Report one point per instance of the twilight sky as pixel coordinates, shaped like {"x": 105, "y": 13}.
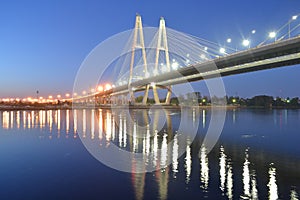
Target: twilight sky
{"x": 43, "y": 43}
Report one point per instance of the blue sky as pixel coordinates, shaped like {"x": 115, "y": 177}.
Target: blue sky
{"x": 43, "y": 43}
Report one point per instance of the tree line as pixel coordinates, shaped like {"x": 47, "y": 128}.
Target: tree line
{"x": 265, "y": 101}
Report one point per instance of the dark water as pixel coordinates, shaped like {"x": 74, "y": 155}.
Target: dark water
{"x": 43, "y": 156}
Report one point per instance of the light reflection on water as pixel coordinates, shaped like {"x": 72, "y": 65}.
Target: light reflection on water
{"x": 242, "y": 172}
{"x": 273, "y": 189}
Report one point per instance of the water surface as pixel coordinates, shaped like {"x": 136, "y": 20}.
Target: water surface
{"x": 42, "y": 155}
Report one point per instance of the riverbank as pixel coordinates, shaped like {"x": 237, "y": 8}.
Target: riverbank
{"x": 138, "y": 106}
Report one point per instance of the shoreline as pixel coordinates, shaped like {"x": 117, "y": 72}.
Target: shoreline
{"x": 171, "y": 107}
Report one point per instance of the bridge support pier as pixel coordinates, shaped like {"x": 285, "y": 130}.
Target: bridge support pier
{"x": 155, "y": 94}
{"x": 169, "y": 93}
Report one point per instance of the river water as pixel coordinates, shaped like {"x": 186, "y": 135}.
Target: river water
{"x": 54, "y": 154}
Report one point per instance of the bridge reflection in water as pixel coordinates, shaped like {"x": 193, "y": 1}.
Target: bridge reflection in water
{"x": 233, "y": 170}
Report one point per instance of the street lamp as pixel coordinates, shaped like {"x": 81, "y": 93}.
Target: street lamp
{"x": 293, "y": 18}
{"x": 246, "y": 43}
{"x": 175, "y": 65}
{"x": 272, "y": 35}
{"x": 228, "y": 40}
{"x": 222, "y": 50}
{"x": 100, "y": 88}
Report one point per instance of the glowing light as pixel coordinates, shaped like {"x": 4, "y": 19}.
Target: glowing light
{"x": 75, "y": 123}
{"x": 84, "y": 123}
{"x": 246, "y": 42}
{"x": 58, "y": 96}
{"x": 175, "y": 156}
{"x": 100, "y": 88}
{"x": 204, "y": 168}
{"x": 222, "y": 165}
{"x": 120, "y": 132}
{"x": 164, "y": 151}
{"x": 18, "y": 119}
{"x": 67, "y": 121}
{"x": 229, "y": 182}
{"x": 83, "y": 92}
{"x": 5, "y": 120}
{"x": 294, "y": 17}
{"x": 175, "y": 65}
{"x": 253, "y": 31}
{"x": 246, "y": 176}
{"x": 222, "y": 50}
{"x": 203, "y": 118}
{"x": 107, "y": 86}
{"x": 100, "y": 124}
{"x": 273, "y": 189}
{"x": 228, "y": 40}
{"x": 50, "y": 97}
{"x": 188, "y": 162}
{"x": 93, "y": 124}
{"x": 272, "y": 34}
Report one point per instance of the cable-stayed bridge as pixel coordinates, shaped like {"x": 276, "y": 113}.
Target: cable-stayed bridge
{"x": 170, "y": 57}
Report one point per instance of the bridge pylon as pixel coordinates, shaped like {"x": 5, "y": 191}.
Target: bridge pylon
{"x": 162, "y": 45}
{"x": 138, "y": 43}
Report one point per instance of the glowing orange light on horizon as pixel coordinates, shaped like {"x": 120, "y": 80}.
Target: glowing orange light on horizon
{"x": 67, "y": 95}
{"x": 100, "y": 88}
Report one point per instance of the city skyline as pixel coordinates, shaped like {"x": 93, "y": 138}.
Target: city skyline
{"x": 44, "y": 44}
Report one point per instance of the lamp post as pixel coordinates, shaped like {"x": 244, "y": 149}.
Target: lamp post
{"x": 222, "y": 50}
{"x": 246, "y": 43}
{"x": 293, "y": 18}
{"x": 272, "y": 35}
